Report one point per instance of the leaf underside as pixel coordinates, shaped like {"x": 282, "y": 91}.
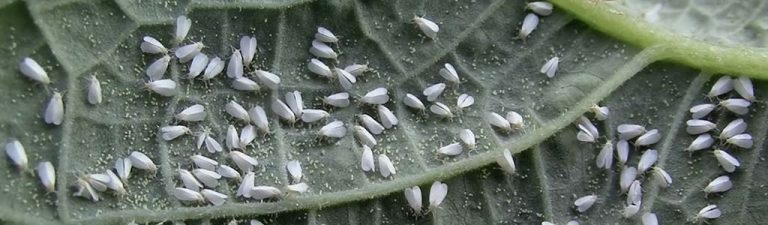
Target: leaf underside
{"x": 76, "y": 39}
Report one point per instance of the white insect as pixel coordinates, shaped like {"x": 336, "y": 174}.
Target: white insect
{"x": 434, "y": 91}
{"x": 630, "y": 131}
{"x": 371, "y": 124}
{"x": 321, "y": 50}
{"x": 727, "y": 161}
{"x": 294, "y": 170}
{"x": 628, "y": 175}
{"x": 18, "y": 155}
{"x": 364, "y": 137}
{"x": 541, "y": 8}
{"x": 346, "y": 79}
{"x": 212, "y": 145}
{"x": 197, "y": 66}
{"x": 377, "y": 96}
{"x": 413, "y": 102}
{"x": 497, "y": 121}
{"x": 243, "y": 161}
{"x": 631, "y": 210}
{"x": 723, "y": 85}
{"x": 182, "y": 28}
{"x": 451, "y": 149}
{"x": 187, "y": 195}
{"x": 649, "y": 219}
{"x": 189, "y": 180}
{"x": 441, "y": 110}
{"x": 123, "y": 167}
{"x": 601, "y": 112}
{"x": 237, "y": 111}
{"x": 635, "y": 193}
{"x": 622, "y": 151}
{"x": 271, "y": 80}
{"x": 550, "y": 67}
{"x": 449, "y": 73}
{"x": 515, "y": 119}
{"x": 465, "y": 101}
{"x": 295, "y": 102}
{"x": 188, "y": 52}
{"x": 701, "y": 110}
{"x": 283, "y": 111}
{"x": 248, "y": 49}
{"x": 413, "y": 196}
{"x": 584, "y": 203}
{"x": 94, "y": 90}
{"x": 388, "y": 119}
{"x": 193, "y": 113}
{"x": 207, "y": 177}
{"x": 699, "y": 126}
{"x": 335, "y": 129}
{"x": 366, "y": 160}
{"x": 114, "y": 183}
{"x": 719, "y": 184}
{"x": 325, "y": 35}
{"x": 587, "y": 131}
{"x": 246, "y": 185}
{"x": 736, "y": 105}
{"x": 152, "y": 46}
{"x": 437, "y": 194}
{"x": 297, "y": 188}
{"x": 741, "y": 140}
{"x": 165, "y": 87}
{"x": 427, "y": 27}
{"x": 506, "y": 162}
{"x": 605, "y": 157}
{"x": 85, "y": 190}
{"x": 733, "y": 128}
{"x": 468, "y": 138}
{"x": 54, "y": 112}
{"x": 313, "y": 115}
{"x": 232, "y": 139}
{"x": 98, "y": 181}
{"x": 235, "y": 65}
{"x": 47, "y": 175}
{"x": 386, "y": 168}
{"x": 203, "y": 162}
{"x": 661, "y": 177}
{"x": 649, "y": 138}
{"x": 265, "y": 192}
{"x": 259, "y": 118}
{"x": 743, "y": 86}
{"x": 215, "y": 66}
{"x": 172, "y": 132}
{"x": 340, "y": 100}
{"x": 30, "y": 68}
{"x": 141, "y": 161}
{"x": 214, "y": 197}
{"x": 228, "y": 172}
{"x": 530, "y": 23}
{"x": 357, "y": 69}
{"x": 709, "y": 212}
{"x": 247, "y": 135}
{"x": 647, "y": 160}
{"x": 319, "y": 68}
{"x": 701, "y": 142}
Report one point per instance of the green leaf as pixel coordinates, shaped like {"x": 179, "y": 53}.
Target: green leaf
{"x": 76, "y": 39}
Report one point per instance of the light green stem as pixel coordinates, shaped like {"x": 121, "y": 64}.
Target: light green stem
{"x": 749, "y": 61}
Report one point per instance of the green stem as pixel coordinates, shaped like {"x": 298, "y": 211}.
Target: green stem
{"x": 749, "y": 61}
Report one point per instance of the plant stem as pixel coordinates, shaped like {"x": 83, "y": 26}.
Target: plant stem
{"x": 708, "y": 57}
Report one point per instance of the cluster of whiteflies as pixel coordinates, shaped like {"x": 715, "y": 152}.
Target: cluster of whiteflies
{"x": 90, "y": 185}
